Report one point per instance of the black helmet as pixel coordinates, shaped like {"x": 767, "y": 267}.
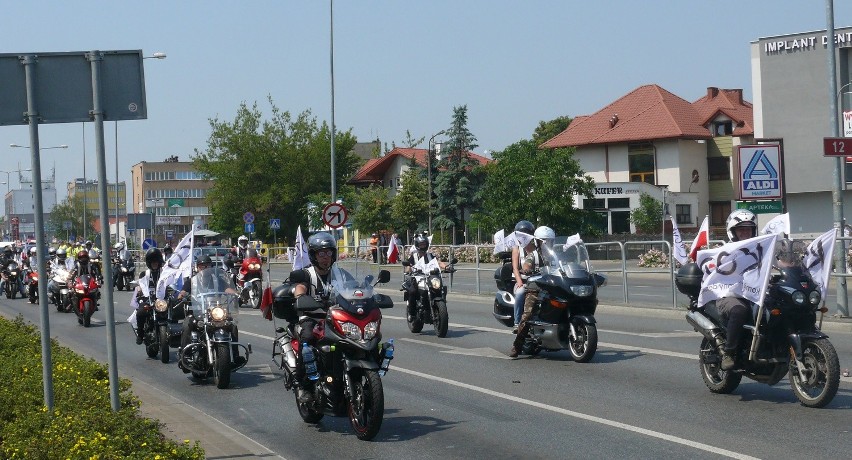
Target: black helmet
{"x": 167, "y": 251}
{"x": 525, "y": 226}
{"x": 61, "y": 254}
{"x": 204, "y": 259}
{"x": 421, "y": 242}
{"x": 321, "y": 240}
{"x": 7, "y": 251}
{"x": 153, "y": 255}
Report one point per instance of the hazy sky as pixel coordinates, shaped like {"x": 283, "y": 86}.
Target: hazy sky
{"x": 398, "y": 65}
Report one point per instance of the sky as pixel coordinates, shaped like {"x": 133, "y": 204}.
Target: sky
{"x": 398, "y": 65}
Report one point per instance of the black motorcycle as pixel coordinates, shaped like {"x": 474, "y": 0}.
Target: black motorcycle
{"x": 348, "y": 356}
{"x": 162, "y": 328}
{"x": 784, "y": 341}
{"x": 431, "y": 307}
{"x": 567, "y": 302}
{"x": 213, "y": 339}
{"x": 12, "y": 275}
{"x": 124, "y": 270}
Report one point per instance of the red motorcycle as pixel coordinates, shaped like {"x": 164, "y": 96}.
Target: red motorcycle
{"x": 250, "y": 280}
{"x": 86, "y": 294}
{"x": 31, "y": 282}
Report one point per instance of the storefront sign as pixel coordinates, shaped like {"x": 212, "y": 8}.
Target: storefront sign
{"x": 806, "y": 43}
{"x": 758, "y": 169}
{"x": 761, "y": 207}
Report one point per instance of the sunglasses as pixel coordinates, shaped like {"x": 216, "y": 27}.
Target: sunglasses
{"x": 325, "y": 253}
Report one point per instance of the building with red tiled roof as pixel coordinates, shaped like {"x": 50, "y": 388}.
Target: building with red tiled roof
{"x": 652, "y": 141}
{"x": 388, "y": 170}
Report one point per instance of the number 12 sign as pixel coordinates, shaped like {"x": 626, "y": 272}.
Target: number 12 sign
{"x": 837, "y": 146}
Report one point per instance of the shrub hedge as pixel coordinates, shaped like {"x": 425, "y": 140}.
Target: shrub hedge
{"x": 82, "y": 423}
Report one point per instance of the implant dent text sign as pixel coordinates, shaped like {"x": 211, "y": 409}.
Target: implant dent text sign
{"x": 758, "y": 169}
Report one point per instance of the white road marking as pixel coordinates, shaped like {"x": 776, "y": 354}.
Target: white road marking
{"x": 582, "y": 416}
{"x": 655, "y": 335}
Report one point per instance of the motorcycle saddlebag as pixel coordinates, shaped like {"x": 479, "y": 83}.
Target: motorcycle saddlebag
{"x": 688, "y": 279}
{"x": 284, "y": 303}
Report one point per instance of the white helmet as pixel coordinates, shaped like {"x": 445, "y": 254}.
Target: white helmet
{"x": 118, "y": 246}
{"x": 242, "y": 241}
{"x": 741, "y": 218}
{"x": 545, "y": 234}
{"x": 33, "y": 250}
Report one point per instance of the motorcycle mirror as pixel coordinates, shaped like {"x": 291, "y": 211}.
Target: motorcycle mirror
{"x": 453, "y": 262}
{"x": 600, "y": 280}
{"x": 405, "y": 263}
{"x": 298, "y": 276}
{"x": 384, "y": 276}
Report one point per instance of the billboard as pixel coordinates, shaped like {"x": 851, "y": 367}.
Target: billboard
{"x": 758, "y": 170}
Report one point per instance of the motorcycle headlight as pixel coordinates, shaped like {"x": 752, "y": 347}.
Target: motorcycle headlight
{"x": 79, "y": 291}
{"x": 351, "y": 330}
{"x": 814, "y": 298}
{"x": 254, "y": 266}
{"x": 370, "y": 330}
{"x": 798, "y": 297}
{"x": 123, "y": 269}
{"x": 161, "y": 305}
{"x": 582, "y": 290}
{"x": 217, "y": 313}
{"x": 435, "y": 282}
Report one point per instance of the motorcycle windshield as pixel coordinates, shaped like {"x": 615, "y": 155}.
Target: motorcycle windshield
{"x": 212, "y": 290}
{"x": 352, "y": 288}
{"x": 569, "y": 260}
{"x": 789, "y": 254}
{"x": 125, "y": 256}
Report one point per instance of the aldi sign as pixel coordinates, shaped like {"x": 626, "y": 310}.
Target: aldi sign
{"x": 758, "y": 170}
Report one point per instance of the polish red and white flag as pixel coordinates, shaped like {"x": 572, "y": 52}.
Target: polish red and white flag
{"x": 701, "y": 239}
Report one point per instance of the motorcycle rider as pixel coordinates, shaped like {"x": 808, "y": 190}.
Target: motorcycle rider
{"x": 741, "y": 225}
{"x": 55, "y": 263}
{"x": 421, "y": 245}
{"x": 116, "y": 261}
{"x": 81, "y": 267}
{"x": 543, "y": 236}
{"x": 147, "y": 286}
{"x": 236, "y": 256}
{"x": 522, "y": 266}
{"x": 189, "y": 322}
{"x": 7, "y": 258}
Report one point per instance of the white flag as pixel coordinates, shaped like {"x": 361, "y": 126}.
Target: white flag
{"x": 818, "y": 260}
{"x": 499, "y": 243}
{"x": 571, "y": 241}
{"x": 738, "y": 269}
{"x": 778, "y": 224}
{"x": 678, "y": 247}
{"x": 179, "y": 264}
{"x": 301, "y": 259}
{"x": 522, "y": 238}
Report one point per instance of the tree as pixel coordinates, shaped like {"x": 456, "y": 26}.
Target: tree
{"x": 70, "y": 210}
{"x": 269, "y": 166}
{"x": 458, "y": 178}
{"x": 410, "y": 207}
{"x": 372, "y": 209}
{"x": 546, "y": 130}
{"x": 528, "y": 183}
{"x": 648, "y": 217}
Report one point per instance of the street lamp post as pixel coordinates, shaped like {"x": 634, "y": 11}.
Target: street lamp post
{"x": 429, "y": 173}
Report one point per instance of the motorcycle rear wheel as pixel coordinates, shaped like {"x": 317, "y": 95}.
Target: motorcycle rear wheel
{"x": 367, "y": 404}
{"x": 222, "y": 369}
{"x": 164, "y": 344}
{"x": 822, "y": 370}
{"x": 583, "y": 348}
{"x": 441, "y": 318}
{"x": 716, "y": 380}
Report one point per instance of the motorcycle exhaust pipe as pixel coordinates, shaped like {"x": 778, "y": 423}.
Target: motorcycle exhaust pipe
{"x": 703, "y": 325}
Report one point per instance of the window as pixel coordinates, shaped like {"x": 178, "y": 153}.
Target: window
{"x": 616, "y": 203}
{"x": 620, "y": 222}
{"x": 723, "y": 128}
{"x": 719, "y": 168}
{"x": 719, "y": 212}
{"x": 596, "y": 203}
{"x": 640, "y": 159}
{"x": 683, "y": 214}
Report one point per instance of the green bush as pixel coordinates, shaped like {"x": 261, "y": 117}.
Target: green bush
{"x": 82, "y": 424}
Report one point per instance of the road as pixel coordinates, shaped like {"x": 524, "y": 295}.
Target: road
{"x": 462, "y": 397}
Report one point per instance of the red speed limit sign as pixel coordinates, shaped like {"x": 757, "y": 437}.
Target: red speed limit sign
{"x": 334, "y": 215}
{"x": 837, "y": 146}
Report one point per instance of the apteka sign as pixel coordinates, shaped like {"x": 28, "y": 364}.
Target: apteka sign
{"x": 758, "y": 169}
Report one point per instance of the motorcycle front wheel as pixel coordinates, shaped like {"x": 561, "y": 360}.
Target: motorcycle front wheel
{"x": 222, "y": 369}
{"x": 152, "y": 345}
{"x": 716, "y": 380}
{"x": 415, "y": 325}
{"x": 254, "y": 296}
{"x": 164, "y": 344}
{"x": 585, "y": 344}
{"x": 821, "y": 372}
{"x": 441, "y": 318}
{"x": 367, "y": 404}
{"x": 87, "y": 313}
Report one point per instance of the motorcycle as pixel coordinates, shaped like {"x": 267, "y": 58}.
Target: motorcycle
{"x": 160, "y": 329}
{"x": 124, "y": 269}
{"x": 60, "y": 295}
{"x": 95, "y": 263}
{"x": 31, "y": 284}
{"x": 431, "y": 307}
{"x": 12, "y": 276}
{"x": 784, "y": 338}
{"x": 349, "y": 356}
{"x": 566, "y": 306}
{"x": 86, "y": 293}
{"x": 249, "y": 281}
{"x": 213, "y": 340}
